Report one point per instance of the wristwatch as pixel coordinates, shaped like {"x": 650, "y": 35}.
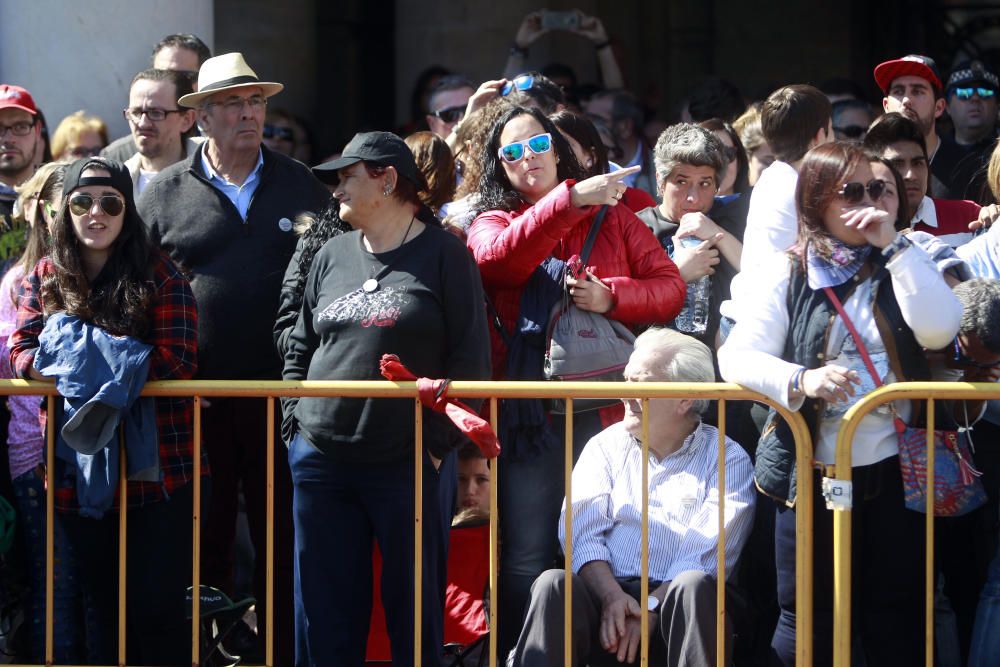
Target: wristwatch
{"x": 653, "y": 604}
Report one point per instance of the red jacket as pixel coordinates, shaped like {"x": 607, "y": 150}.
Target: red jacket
{"x": 646, "y": 285}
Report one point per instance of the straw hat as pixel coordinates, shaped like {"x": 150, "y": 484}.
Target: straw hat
{"x": 226, "y": 72}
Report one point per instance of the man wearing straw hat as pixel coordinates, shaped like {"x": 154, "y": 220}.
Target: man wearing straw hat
{"x": 683, "y": 527}
{"x": 225, "y": 214}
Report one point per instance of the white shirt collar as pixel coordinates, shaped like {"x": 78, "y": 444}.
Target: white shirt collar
{"x": 926, "y": 213}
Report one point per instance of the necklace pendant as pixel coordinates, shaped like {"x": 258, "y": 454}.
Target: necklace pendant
{"x": 370, "y": 285}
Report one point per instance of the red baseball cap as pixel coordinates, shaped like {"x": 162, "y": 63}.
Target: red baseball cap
{"x": 16, "y": 97}
{"x": 912, "y": 65}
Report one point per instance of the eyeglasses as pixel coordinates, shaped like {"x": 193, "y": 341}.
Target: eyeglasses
{"x": 280, "y": 133}
{"x": 156, "y": 115}
{"x": 21, "y": 129}
{"x": 235, "y": 105}
{"x": 523, "y": 82}
{"x": 81, "y": 203}
{"x": 540, "y": 143}
{"x": 450, "y": 114}
{"x": 854, "y": 193}
{"x": 967, "y": 93}
{"x": 851, "y": 131}
{"x": 85, "y": 151}
{"x": 961, "y": 359}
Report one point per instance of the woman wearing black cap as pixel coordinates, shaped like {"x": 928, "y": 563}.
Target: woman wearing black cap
{"x": 104, "y": 280}
{"x": 398, "y": 284}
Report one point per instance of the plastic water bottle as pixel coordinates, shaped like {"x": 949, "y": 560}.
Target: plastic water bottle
{"x": 693, "y": 318}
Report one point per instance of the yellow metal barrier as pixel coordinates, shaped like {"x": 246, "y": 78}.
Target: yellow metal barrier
{"x": 913, "y": 391}
{"x": 459, "y": 389}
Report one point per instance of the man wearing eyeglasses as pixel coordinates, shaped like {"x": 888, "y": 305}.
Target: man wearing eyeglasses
{"x": 447, "y": 104}
{"x": 19, "y": 135}
{"x": 180, "y": 53}
{"x": 225, "y": 214}
{"x": 683, "y": 528}
{"x": 159, "y": 127}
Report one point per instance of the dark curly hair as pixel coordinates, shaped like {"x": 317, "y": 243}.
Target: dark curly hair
{"x": 495, "y": 190}
{"x": 314, "y": 232}
{"x": 120, "y": 297}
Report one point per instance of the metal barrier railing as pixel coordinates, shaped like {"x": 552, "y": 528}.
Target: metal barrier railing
{"x": 929, "y": 391}
{"x": 493, "y": 391}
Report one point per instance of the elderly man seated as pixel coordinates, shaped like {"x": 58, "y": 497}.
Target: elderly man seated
{"x": 683, "y": 527}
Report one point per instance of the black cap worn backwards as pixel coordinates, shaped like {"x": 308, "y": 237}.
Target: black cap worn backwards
{"x": 381, "y": 148}
{"x": 119, "y": 178}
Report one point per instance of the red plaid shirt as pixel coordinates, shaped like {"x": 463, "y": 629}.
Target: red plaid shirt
{"x": 174, "y": 337}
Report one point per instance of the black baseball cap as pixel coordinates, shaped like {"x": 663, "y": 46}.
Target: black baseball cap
{"x": 381, "y": 148}
{"x": 971, "y": 72}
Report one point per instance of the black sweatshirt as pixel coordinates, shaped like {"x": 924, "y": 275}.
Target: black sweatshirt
{"x": 428, "y": 309}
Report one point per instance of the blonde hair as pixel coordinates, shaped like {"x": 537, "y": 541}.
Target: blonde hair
{"x": 72, "y": 127}
{"x": 748, "y": 127}
{"x": 993, "y": 172}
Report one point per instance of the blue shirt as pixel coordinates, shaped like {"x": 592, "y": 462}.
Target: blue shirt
{"x": 240, "y": 195}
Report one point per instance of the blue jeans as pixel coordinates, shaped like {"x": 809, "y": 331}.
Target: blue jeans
{"x": 985, "y": 649}
{"x": 68, "y": 611}
{"x": 339, "y": 509}
{"x": 531, "y": 494}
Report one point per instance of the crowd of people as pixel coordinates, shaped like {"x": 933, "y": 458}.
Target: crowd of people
{"x": 805, "y": 245}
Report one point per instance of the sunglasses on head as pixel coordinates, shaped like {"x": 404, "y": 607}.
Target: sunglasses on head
{"x": 962, "y": 359}
{"x": 81, "y": 203}
{"x": 967, "y": 93}
{"x": 450, "y": 114}
{"x": 854, "y": 192}
{"x": 851, "y": 131}
{"x": 540, "y": 143}
{"x": 275, "y": 132}
{"x": 523, "y": 82}
{"x": 729, "y": 152}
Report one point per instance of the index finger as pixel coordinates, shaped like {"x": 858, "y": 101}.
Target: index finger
{"x": 623, "y": 173}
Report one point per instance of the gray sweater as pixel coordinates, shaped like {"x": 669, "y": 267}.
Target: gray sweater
{"x": 235, "y": 266}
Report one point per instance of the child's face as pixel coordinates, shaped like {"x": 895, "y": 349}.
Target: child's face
{"x": 473, "y": 484}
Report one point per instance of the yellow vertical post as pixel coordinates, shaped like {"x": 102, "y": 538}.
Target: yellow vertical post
{"x": 269, "y": 541}
{"x": 644, "y": 547}
{"x": 418, "y": 533}
{"x": 122, "y": 542}
{"x": 929, "y": 586}
{"x": 50, "y": 525}
{"x": 568, "y": 550}
{"x": 196, "y": 542}
{"x": 720, "y": 579}
{"x": 494, "y": 541}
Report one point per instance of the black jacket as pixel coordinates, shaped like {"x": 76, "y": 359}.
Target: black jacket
{"x": 235, "y": 266}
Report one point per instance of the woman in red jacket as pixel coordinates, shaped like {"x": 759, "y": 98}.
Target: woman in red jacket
{"x": 533, "y": 207}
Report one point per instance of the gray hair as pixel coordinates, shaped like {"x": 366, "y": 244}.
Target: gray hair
{"x": 680, "y": 358}
{"x": 980, "y": 299}
{"x": 686, "y": 143}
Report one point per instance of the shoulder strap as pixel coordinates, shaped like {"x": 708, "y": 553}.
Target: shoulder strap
{"x": 595, "y": 227}
{"x": 854, "y": 333}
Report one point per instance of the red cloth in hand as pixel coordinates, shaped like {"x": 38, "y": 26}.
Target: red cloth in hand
{"x": 434, "y": 395}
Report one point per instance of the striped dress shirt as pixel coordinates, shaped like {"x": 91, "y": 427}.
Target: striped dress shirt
{"x": 683, "y": 505}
